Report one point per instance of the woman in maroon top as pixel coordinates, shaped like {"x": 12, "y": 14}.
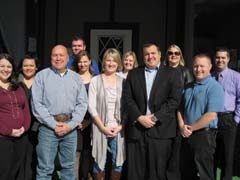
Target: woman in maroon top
{"x": 14, "y": 121}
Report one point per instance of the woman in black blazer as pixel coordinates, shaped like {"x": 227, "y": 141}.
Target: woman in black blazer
{"x": 174, "y": 58}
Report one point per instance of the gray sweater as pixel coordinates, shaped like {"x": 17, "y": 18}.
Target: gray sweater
{"x": 98, "y": 106}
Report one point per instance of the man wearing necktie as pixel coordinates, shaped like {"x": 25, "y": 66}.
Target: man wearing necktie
{"x": 151, "y": 95}
{"x": 229, "y": 119}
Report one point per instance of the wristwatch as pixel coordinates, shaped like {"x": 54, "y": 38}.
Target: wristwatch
{"x": 154, "y": 118}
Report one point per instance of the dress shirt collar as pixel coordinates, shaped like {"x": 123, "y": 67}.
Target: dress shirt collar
{"x": 60, "y": 74}
{"x": 224, "y": 72}
{"x": 152, "y": 69}
{"x": 204, "y": 81}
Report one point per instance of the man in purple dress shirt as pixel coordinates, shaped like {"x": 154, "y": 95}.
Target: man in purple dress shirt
{"x": 229, "y": 119}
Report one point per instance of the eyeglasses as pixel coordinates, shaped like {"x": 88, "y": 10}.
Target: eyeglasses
{"x": 177, "y": 53}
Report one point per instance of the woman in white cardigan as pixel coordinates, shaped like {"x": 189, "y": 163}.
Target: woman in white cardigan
{"x": 105, "y": 92}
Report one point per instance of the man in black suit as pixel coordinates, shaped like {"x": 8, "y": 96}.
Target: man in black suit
{"x": 151, "y": 96}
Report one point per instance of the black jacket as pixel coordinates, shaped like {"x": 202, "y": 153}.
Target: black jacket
{"x": 164, "y": 99}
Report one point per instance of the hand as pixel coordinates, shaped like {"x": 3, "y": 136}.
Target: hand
{"x": 62, "y": 128}
{"x": 109, "y": 131}
{"x": 85, "y": 123}
{"x": 186, "y": 131}
{"x": 17, "y": 132}
{"x": 116, "y": 129}
{"x": 146, "y": 121}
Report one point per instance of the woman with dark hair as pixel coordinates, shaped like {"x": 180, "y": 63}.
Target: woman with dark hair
{"x": 27, "y": 68}
{"x": 83, "y": 165}
{"x": 14, "y": 121}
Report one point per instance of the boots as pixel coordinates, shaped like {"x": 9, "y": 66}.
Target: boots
{"x": 115, "y": 175}
{"x": 99, "y": 176}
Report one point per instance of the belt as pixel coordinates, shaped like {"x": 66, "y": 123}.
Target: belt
{"x": 206, "y": 129}
{"x": 227, "y": 113}
{"x": 62, "y": 117}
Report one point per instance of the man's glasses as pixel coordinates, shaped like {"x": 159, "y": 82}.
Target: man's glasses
{"x": 177, "y": 53}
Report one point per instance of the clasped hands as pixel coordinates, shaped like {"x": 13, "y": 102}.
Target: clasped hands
{"x": 111, "y": 131}
{"x": 146, "y": 120}
{"x": 186, "y": 131}
{"x": 62, "y": 128}
{"x": 17, "y": 132}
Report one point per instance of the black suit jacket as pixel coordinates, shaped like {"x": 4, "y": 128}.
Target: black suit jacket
{"x": 165, "y": 97}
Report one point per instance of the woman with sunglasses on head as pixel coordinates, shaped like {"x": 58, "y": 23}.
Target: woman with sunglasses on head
{"x": 174, "y": 59}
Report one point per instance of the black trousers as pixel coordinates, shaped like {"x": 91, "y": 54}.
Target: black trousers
{"x": 86, "y": 163}
{"x": 85, "y": 148}
{"x": 226, "y": 136}
{"x": 147, "y": 158}
{"x": 173, "y": 170}
{"x": 12, "y": 157}
{"x": 30, "y": 156}
{"x": 197, "y": 154}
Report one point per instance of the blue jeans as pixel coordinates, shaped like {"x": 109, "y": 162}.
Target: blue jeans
{"x": 49, "y": 145}
{"x": 112, "y": 147}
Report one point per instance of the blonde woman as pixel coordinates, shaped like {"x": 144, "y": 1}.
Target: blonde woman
{"x": 129, "y": 61}
{"x": 174, "y": 58}
{"x": 105, "y": 92}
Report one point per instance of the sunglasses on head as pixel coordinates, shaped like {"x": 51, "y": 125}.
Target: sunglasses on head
{"x": 177, "y": 53}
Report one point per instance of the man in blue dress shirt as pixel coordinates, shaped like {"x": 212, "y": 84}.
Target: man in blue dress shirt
{"x": 197, "y": 119}
{"x": 78, "y": 44}
{"x": 59, "y": 102}
{"x": 229, "y": 119}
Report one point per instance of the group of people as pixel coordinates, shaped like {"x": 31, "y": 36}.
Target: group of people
{"x": 158, "y": 121}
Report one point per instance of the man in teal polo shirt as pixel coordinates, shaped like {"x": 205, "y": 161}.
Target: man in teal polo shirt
{"x": 197, "y": 119}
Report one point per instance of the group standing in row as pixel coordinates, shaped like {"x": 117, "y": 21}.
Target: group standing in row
{"x": 157, "y": 118}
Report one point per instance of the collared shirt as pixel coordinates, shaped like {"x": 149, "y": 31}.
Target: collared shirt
{"x": 230, "y": 81}
{"x": 54, "y": 94}
{"x": 202, "y": 97}
{"x": 150, "y": 75}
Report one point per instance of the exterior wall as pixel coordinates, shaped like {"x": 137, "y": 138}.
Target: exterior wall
{"x": 151, "y": 25}
{"x": 64, "y": 18}
{"x": 160, "y": 21}
{"x": 50, "y": 33}
{"x": 151, "y": 16}
{"x": 73, "y": 14}
{"x": 12, "y": 24}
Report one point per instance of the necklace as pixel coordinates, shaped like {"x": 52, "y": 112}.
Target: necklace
{"x": 13, "y": 103}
